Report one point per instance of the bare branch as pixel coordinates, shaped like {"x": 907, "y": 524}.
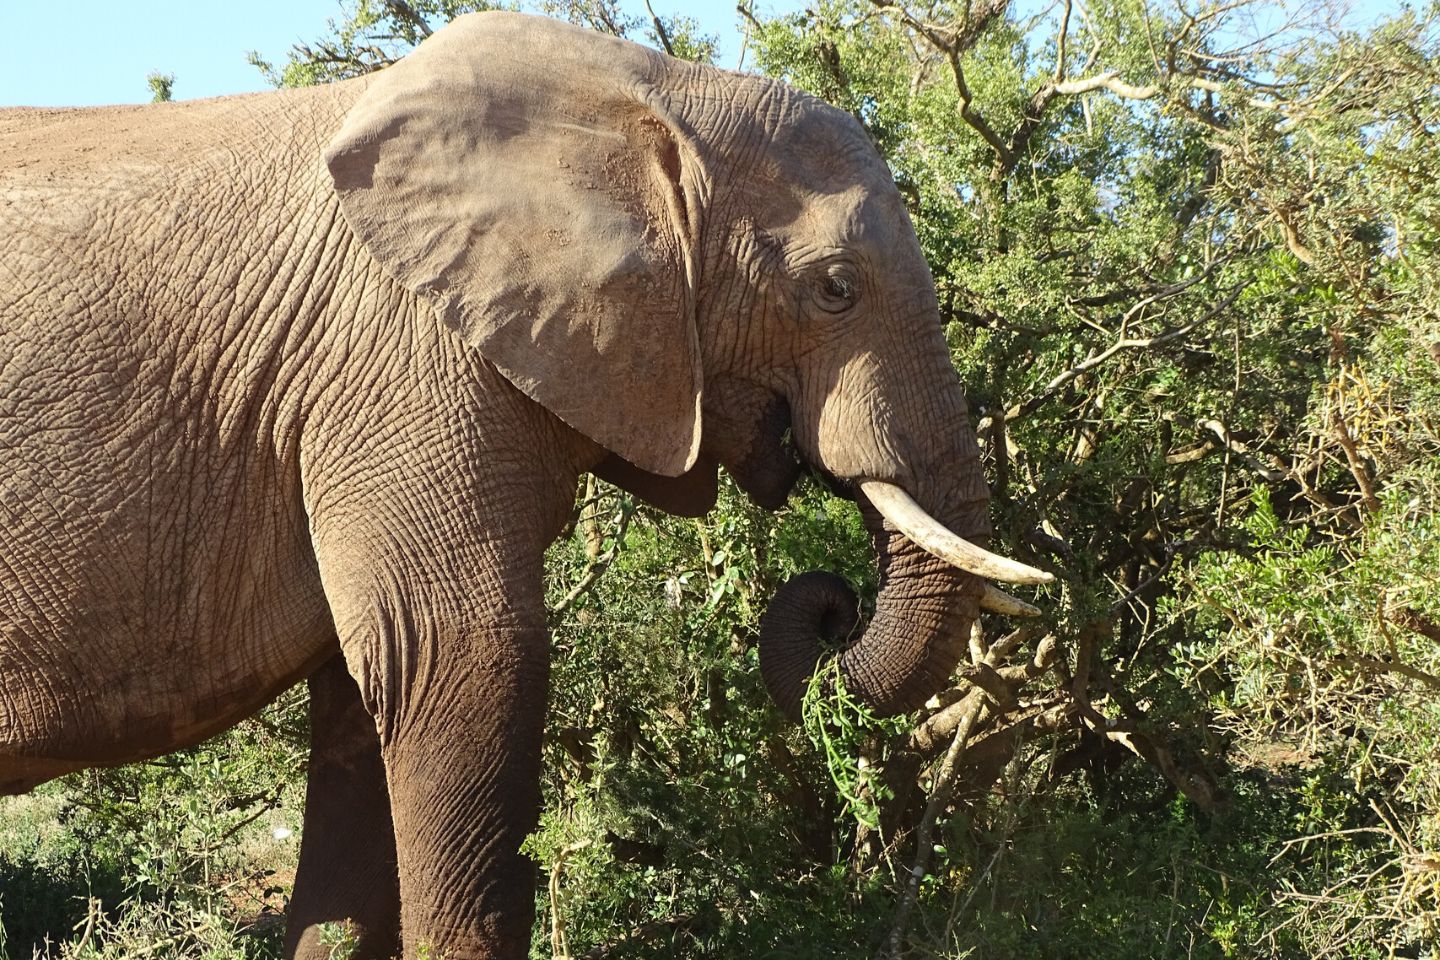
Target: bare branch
{"x": 940, "y": 797}
{"x": 1414, "y": 621}
{"x": 660, "y": 30}
{"x": 1109, "y": 80}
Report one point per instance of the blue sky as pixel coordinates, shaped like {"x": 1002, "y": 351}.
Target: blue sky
{"x": 100, "y": 51}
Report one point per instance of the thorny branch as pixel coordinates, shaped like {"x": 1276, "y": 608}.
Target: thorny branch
{"x": 597, "y": 563}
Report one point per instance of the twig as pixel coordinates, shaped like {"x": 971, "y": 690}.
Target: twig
{"x": 596, "y": 567}
{"x": 1267, "y": 465}
{"x": 939, "y": 799}
{"x": 971, "y": 116}
{"x": 660, "y": 30}
{"x": 1144, "y": 747}
{"x": 267, "y": 805}
{"x": 1148, "y": 295}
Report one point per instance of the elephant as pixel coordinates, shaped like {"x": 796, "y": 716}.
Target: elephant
{"x": 299, "y": 385}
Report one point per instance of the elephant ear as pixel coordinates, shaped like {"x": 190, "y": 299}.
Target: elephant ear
{"x": 529, "y": 181}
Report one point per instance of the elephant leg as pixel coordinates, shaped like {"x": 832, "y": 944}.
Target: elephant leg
{"x": 347, "y": 885}
{"x": 464, "y": 775}
{"x": 432, "y": 556}
{"x": 459, "y": 704}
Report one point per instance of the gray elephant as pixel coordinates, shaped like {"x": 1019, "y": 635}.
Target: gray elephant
{"x": 315, "y": 372}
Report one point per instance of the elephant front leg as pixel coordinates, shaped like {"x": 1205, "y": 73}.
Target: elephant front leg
{"x": 346, "y": 889}
{"x": 460, "y": 710}
{"x": 432, "y": 570}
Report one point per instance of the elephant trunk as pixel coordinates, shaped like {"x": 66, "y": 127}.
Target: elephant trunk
{"x": 907, "y": 653}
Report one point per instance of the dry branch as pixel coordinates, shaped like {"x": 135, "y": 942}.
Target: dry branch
{"x": 660, "y": 31}
{"x": 1414, "y": 621}
{"x": 940, "y": 798}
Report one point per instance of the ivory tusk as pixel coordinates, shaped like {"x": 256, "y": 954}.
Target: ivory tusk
{"x": 908, "y": 516}
{"x": 998, "y": 601}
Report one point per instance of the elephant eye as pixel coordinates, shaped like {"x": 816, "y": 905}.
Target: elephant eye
{"x": 838, "y": 292}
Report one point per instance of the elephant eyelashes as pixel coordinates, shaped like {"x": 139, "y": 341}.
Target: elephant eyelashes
{"x": 837, "y": 293}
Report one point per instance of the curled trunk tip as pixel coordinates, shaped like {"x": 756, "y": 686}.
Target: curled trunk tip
{"x": 812, "y": 614}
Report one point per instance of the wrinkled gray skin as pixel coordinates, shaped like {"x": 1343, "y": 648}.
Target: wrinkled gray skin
{"x": 317, "y": 371}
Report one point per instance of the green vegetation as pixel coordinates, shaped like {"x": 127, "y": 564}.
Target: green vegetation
{"x": 162, "y": 86}
{"x": 1187, "y": 260}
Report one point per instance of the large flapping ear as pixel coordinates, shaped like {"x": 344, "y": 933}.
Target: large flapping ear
{"x": 527, "y": 179}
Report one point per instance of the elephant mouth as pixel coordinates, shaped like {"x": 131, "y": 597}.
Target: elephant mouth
{"x": 769, "y": 470}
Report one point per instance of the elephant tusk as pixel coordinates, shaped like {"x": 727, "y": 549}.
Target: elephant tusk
{"x": 998, "y": 601}
{"x": 897, "y": 506}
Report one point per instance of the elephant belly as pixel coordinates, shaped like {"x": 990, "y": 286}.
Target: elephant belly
{"x": 83, "y": 699}
{"x": 139, "y": 617}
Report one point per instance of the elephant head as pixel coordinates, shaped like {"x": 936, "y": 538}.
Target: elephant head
{"x": 692, "y": 268}
{"x": 842, "y": 333}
